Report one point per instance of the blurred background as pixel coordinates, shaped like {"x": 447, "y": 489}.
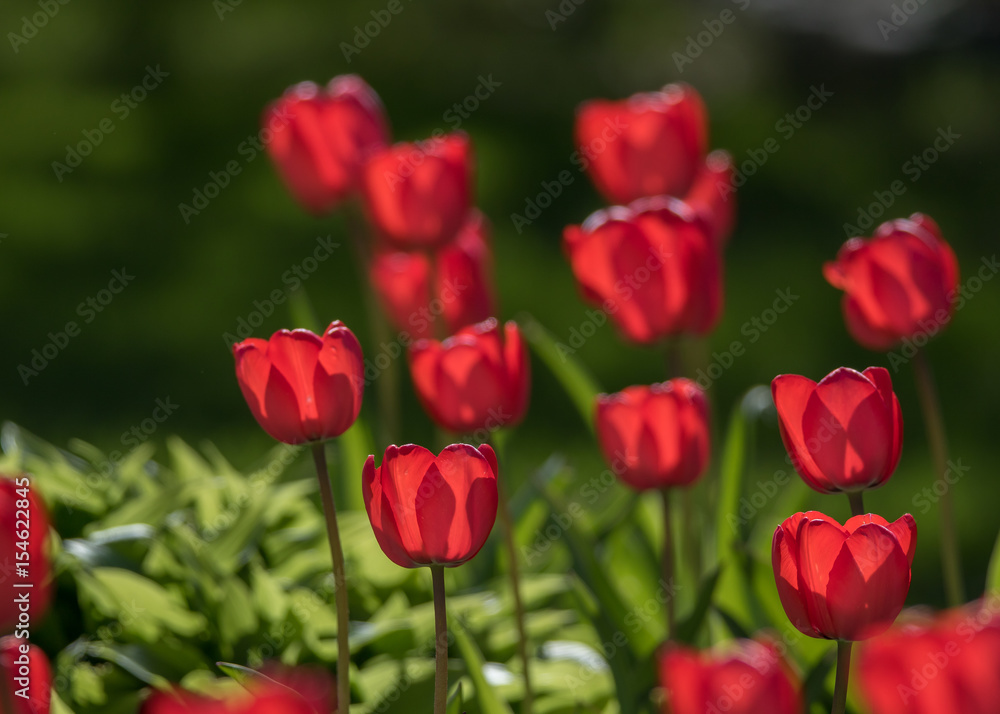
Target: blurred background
{"x": 897, "y": 76}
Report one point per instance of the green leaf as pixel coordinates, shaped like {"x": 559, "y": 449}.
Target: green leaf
{"x": 237, "y": 616}
{"x": 731, "y": 483}
{"x": 574, "y": 378}
{"x": 993, "y": 571}
{"x": 688, "y": 628}
{"x": 137, "y": 600}
{"x": 247, "y": 677}
{"x": 489, "y": 702}
{"x": 455, "y": 702}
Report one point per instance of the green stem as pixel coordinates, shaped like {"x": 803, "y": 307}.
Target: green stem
{"x": 668, "y": 561}
{"x": 857, "y": 500}
{"x": 339, "y": 578}
{"x": 440, "y": 642}
{"x": 515, "y": 585}
{"x": 843, "y": 675}
{"x": 931, "y": 406}
{"x": 387, "y": 391}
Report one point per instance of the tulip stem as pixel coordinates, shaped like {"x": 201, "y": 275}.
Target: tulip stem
{"x": 668, "y": 561}
{"x": 440, "y": 642}
{"x": 515, "y": 585}
{"x": 388, "y": 385}
{"x": 843, "y": 674}
{"x": 931, "y": 406}
{"x": 339, "y": 578}
{"x": 857, "y": 499}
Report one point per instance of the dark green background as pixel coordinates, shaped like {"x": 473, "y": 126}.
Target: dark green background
{"x": 162, "y": 337}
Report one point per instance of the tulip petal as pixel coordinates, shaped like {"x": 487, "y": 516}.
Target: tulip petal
{"x": 338, "y": 382}
{"x": 784, "y": 560}
{"x": 820, "y": 544}
{"x": 403, "y": 472}
{"x": 791, "y": 394}
{"x": 879, "y": 376}
{"x": 380, "y": 513}
{"x": 473, "y": 478}
{"x": 867, "y": 583}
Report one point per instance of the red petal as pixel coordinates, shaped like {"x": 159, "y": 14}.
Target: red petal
{"x": 791, "y": 394}
{"x": 820, "y": 544}
{"x": 784, "y": 561}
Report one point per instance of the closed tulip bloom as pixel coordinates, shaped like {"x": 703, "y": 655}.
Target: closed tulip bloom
{"x": 843, "y": 582}
{"x": 462, "y": 293}
{"x": 23, "y": 519}
{"x": 652, "y": 266}
{"x": 419, "y": 195}
{"x": 428, "y": 510}
{"x": 479, "y": 378}
{"x": 321, "y": 137}
{"x": 650, "y": 144}
{"x": 22, "y": 661}
{"x": 655, "y": 436}
{"x": 844, "y": 433}
{"x": 948, "y": 664}
{"x": 900, "y": 284}
{"x": 748, "y": 677}
{"x": 302, "y": 387}
{"x": 713, "y": 196}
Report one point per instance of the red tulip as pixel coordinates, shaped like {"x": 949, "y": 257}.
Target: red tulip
{"x": 899, "y": 285}
{"x": 462, "y": 293}
{"x": 23, "y": 520}
{"x": 302, "y": 387}
{"x": 647, "y": 145}
{"x": 843, "y": 582}
{"x": 428, "y": 510}
{"x": 652, "y": 266}
{"x": 748, "y": 678}
{"x": 28, "y": 677}
{"x": 320, "y": 138}
{"x": 476, "y": 379}
{"x": 712, "y": 195}
{"x": 949, "y": 664}
{"x": 418, "y": 195}
{"x": 271, "y": 699}
{"x": 843, "y": 434}
{"x": 656, "y": 436}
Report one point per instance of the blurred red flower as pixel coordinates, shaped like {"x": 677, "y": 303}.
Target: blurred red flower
{"x": 653, "y": 266}
{"x": 428, "y": 510}
{"x": 273, "y": 699}
{"x": 655, "y": 436}
{"x": 302, "y": 387}
{"x": 418, "y": 195}
{"x": 713, "y": 196}
{"x": 749, "y": 677}
{"x": 476, "y": 379}
{"x": 843, "y": 582}
{"x": 462, "y": 293}
{"x": 23, "y": 520}
{"x": 948, "y": 664}
{"x": 899, "y": 285}
{"x": 320, "y": 138}
{"x": 650, "y": 144}
{"x": 27, "y": 671}
{"x": 844, "y": 433}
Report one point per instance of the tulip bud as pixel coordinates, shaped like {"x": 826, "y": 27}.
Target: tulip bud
{"x": 843, "y": 582}
{"x": 652, "y": 266}
{"x": 302, "y": 387}
{"x": 321, "y": 137}
{"x": 900, "y": 284}
{"x": 656, "y": 436}
{"x": 650, "y": 144}
{"x": 428, "y": 510}
{"x": 844, "y": 433}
